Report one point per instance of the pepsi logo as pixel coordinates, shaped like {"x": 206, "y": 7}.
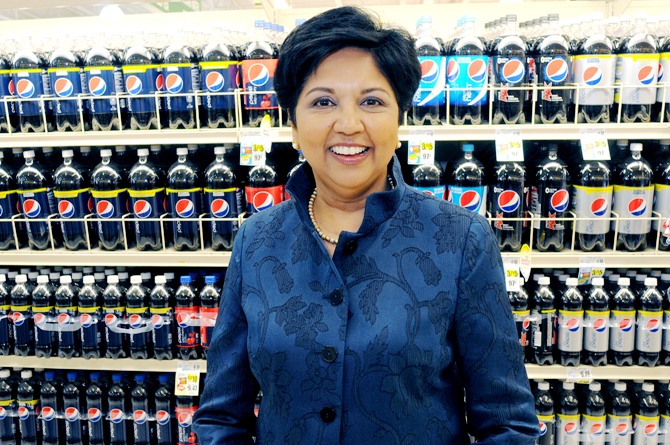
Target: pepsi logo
{"x": 89, "y": 204}
{"x": 560, "y": 200}
{"x": 133, "y": 85}
{"x": 11, "y": 87}
{"x": 64, "y": 319}
{"x": 599, "y": 206}
{"x": 509, "y": 201}
{"x": 63, "y": 87}
{"x": 66, "y": 209}
{"x": 18, "y": 318}
{"x": 142, "y": 208}
{"x": 626, "y": 324}
{"x": 477, "y": 70}
{"x": 600, "y": 325}
{"x": 220, "y": 208}
{"x": 513, "y": 71}
{"x": 573, "y": 324}
{"x": 258, "y": 75}
{"x": 105, "y": 209}
{"x": 650, "y": 429}
{"x": 86, "y": 320}
{"x": 185, "y": 208}
{"x": 653, "y": 325}
{"x": 556, "y": 71}
{"x": 110, "y": 319}
{"x": 637, "y": 206}
{"x": 48, "y": 413}
{"x": 162, "y": 417}
{"x": 214, "y": 81}
{"x": 1, "y": 211}
{"x": 39, "y": 319}
{"x": 262, "y": 201}
{"x": 597, "y": 429}
{"x": 593, "y": 75}
{"x": 3, "y": 412}
{"x": 646, "y": 75}
{"x": 139, "y": 416}
{"x": 97, "y": 86}
{"x": 543, "y": 428}
{"x": 453, "y": 70}
{"x": 661, "y": 72}
{"x": 31, "y": 208}
{"x": 157, "y": 321}
{"x": 174, "y": 83}
{"x": 183, "y": 319}
{"x": 160, "y": 82}
{"x": 71, "y": 414}
{"x": 571, "y": 428}
{"x": 23, "y": 413}
{"x": 135, "y": 321}
{"x": 622, "y": 429}
{"x": 470, "y": 200}
{"x": 525, "y": 326}
{"x": 116, "y": 415}
{"x": 94, "y": 415}
{"x": 185, "y": 419}
{"x": 25, "y": 88}
{"x": 430, "y": 71}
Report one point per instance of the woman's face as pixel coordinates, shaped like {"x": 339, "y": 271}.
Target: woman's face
{"x": 346, "y": 124}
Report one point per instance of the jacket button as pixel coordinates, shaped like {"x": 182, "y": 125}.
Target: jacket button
{"x": 350, "y": 247}
{"x": 327, "y": 415}
{"x": 336, "y": 297}
{"x": 329, "y": 354}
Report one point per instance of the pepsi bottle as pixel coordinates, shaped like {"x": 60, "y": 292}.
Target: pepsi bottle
{"x": 223, "y": 199}
{"x": 662, "y": 206}
{"x": 73, "y": 198}
{"x": 593, "y": 72}
{"x": 69, "y": 341}
{"x": 596, "y": 324}
{"x": 553, "y": 70}
{"x": 567, "y": 416}
{"x": 8, "y": 205}
{"x": 162, "y": 315}
{"x": 649, "y": 332}
{"x": 143, "y": 76}
{"x": 22, "y": 316}
{"x": 27, "y": 398}
{"x": 592, "y": 201}
{"x": 427, "y": 178}
{"x": 664, "y": 288}
{"x": 43, "y": 315}
{"x": 185, "y": 409}
{"x": 507, "y": 201}
{"x": 96, "y": 400}
{"x": 66, "y": 75}
{"x": 182, "y": 78}
{"x": 550, "y": 202}
{"x": 263, "y": 189}
{"x": 543, "y": 326}
{"x": 109, "y": 189}
{"x": 90, "y": 317}
{"x": 165, "y": 425}
{"x": 8, "y": 114}
{"x": 138, "y": 315}
{"x": 258, "y": 70}
{"x": 104, "y": 82}
{"x": 619, "y": 421}
{"x": 508, "y": 73}
{"x": 146, "y": 190}
{"x": 662, "y": 111}
{"x": 6, "y": 334}
{"x": 429, "y": 101}
{"x": 37, "y": 201}
{"x": 119, "y": 406}
{"x": 570, "y": 324}
{"x": 73, "y": 403}
{"x": 544, "y": 408}
{"x": 184, "y": 191}
{"x": 139, "y": 402}
{"x": 633, "y": 197}
{"x": 31, "y": 81}
{"x": 53, "y": 427}
{"x": 210, "y": 295}
{"x": 187, "y": 308}
{"x": 114, "y": 310}
{"x": 8, "y": 423}
{"x": 646, "y": 416}
{"x": 220, "y": 77}
{"x": 466, "y": 182}
{"x": 594, "y": 420}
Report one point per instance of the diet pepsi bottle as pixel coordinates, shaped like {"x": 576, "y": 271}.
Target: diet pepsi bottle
{"x": 162, "y": 315}
{"x": 210, "y": 295}
{"x": 507, "y": 201}
{"x": 665, "y": 293}
{"x": 22, "y": 316}
{"x": 37, "y": 201}
{"x": 592, "y": 201}
{"x": 118, "y": 411}
{"x": 8, "y": 205}
{"x": 110, "y": 201}
{"x": 187, "y": 308}
{"x": 31, "y": 81}
{"x": 619, "y": 421}
{"x": 95, "y": 407}
{"x": 622, "y": 324}
{"x": 646, "y": 416}
{"x": 73, "y": 198}
{"x": 550, "y": 201}
{"x": 69, "y": 341}
{"x": 50, "y": 410}
{"x": 544, "y": 407}
{"x": 662, "y": 205}
{"x": 649, "y": 332}
{"x": 568, "y": 418}
{"x": 104, "y": 82}
{"x": 543, "y": 326}
{"x": 90, "y": 317}
{"x": 114, "y": 310}
{"x": 258, "y": 70}
{"x": 508, "y": 73}
{"x": 66, "y": 75}
{"x": 139, "y": 402}
{"x": 593, "y": 72}
{"x": 182, "y": 78}
{"x": 220, "y": 77}
{"x": 594, "y": 419}
{"x": 596, "y": 324}
{"x": 223, "y": 199}
{"x": 146, "y": 189}
{"x": 143, "y": 76}
{"x": 43, "y": 316}
{"x": 520, "y": 302}
{"x": 570, "y": 324}
{"x": 184, "y": 191}
{"x": 263, "y": 189}
{"x": 427, "y": 178}
{"x": 165, "y": 425}
{"x": 428, "y": 101}
{"x": 553, "y": 70}
{"x": 466, "y": 183}
{"x": 138, "y": 315}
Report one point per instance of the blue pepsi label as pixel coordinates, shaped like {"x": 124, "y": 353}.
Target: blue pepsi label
{"x": 471, "y": 198}
{"x": 218, "y": 78}
{"x": 184, "y": 203}
{"x": 223, "y": 203}
{"x": 22, "y": 324}
{"x": 4, "y": 325}
{"x": 138, "y": 318}
{"x": 433, "y": 81}
{"x": 113, "y": 315}
{"x": 180, "y": 78}
{"x": 8, "y": 201}
{"x": 437, "y": 191}
{"x": 161, "y": 319}
{"x": 258, "y": 75}
{"x": 147, "y": 203}
{"x": 6, "y": 84}
{"x": 66, "y": 85}
{"x": 467, "y": 79}
{"x": 104, "y": 81}
{"x": 36, "y": 203}
{"x": 141, "y": 80}
{"x": 110, "y": 204}
{"x": 73, "y": 203}
{"x": 29, "y": 84}
{"x": 89, "y": 317}
{"x": 509, "y": 71}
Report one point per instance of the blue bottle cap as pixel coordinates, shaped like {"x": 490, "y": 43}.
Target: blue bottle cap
{"x": 163, "y": 378}
{"x": 186, "y": 279}
{"x": 95, "y": 376}
{"x": 139, "y": 378}
{"x": 72, "y": 375}
{"x": 210, "y": 279}
{"x": 468, "y": 148}
{"x": 116, "y": 377}
{"x": 49, "y": 375}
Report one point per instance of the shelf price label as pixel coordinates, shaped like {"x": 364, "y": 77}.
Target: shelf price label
{"x": 509, "y": 146}
{"x": 254, "y": 146}
{"x": 580, "y": 374}
{"x": 512, "y": 274}
{"x": 524, "y": 261}
{"x": 187, "y": 379}
{"x": 421, "y": 147}
{"x": 590, "y": 268}
{"x": 594, "y": 145}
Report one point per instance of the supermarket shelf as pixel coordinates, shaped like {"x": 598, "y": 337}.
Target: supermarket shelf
{"x": 100, "y": 364}
{"x": 559, "y": 372}
{"x": 567, "y": 258}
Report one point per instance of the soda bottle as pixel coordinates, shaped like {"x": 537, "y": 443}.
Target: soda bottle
{"x": 187, "y": 308}
{"x": 648, "y": 335}
{"x": 219, "y": 75}
{"x": 50, "y": 408}
{"x": 622, "y": 324}
{"x": 137, "y": 313}
{"x": 114, "y": 309}
{"x": 8, "y": 427}
{"x": 633, "y": 197}
{"x": 636, "y": 74}
{"x": 550, "y": 200}
{"x": 466, "y": 182}
{"x": 427, "y": 178}
{"x": 520, "y": 302}
{"x": 109, "y": 189}
{"x": 665, "y": 293}
{"x": 22, "y": 316}
{"x": 27, "y": 398}
{"x": 6, "y": 334}
{"x": 210, "y": 295}
{"x": 162, "y": 314}
{"x": 8, "y": 204}
{"x": 146, "y": 191}
{"x": 165, "y": 426}
{"x": 104, "y": 81}
{"x": 664, "y": 408}
{"x": 95, "y": 406}
{"x": 645, "y": 409}
{"x": 596, "y": 324}
{"x": 263, "y": 189}
{"x": 553, "y": 70}
{"x": 567, "y": 416}
{"x": 544, "y": 407}
{"x": 619, "y": 421}
{"x": 570, "y": 324}
{"x": 223, "y": 199}
{"x": 594, "y": 419}
{"x": 90, "y": 317}
{"x": 139, "y": 399}
{"x": 73, "y": 402}
{"x": 43, "y": 314}
{"x": 69, "y": 341}
{"x": 592, "y": 200}
{"x": 36, "y": 199}
{"x": 143, "y": 76}
{"x": 73, "y": 198}
{"x": 258, "y": 69}
{"x": 662, "y": 205}
{"x": 184, "y": 191}
{"x": 182, "y": 77}
{"x": 428, "y": 101}
{"x": 31, "y": 81}
{"x": 507, "y": 201}
{"x": 543, "y": 326}
{"x": 66, "y": 75}
{"x": 118, "y": 411}
{"x": 8, "y": 116}
{"x": 508, "y": 73}
{"x": 185, "y": 409}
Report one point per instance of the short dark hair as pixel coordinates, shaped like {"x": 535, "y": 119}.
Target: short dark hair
{"x": 346, "y": 27}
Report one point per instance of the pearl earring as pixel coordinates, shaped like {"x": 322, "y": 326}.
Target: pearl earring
{"x": 399, "y": 144}
{"x": 294, "y": 145}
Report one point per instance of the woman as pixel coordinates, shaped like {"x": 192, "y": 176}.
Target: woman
{"x": 366, "y": 312}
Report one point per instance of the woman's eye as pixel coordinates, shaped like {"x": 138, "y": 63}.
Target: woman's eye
{"x": 372, "y": 101}
{"x": 322, "y": 102}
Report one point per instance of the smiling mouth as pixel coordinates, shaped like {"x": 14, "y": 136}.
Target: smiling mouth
{"x": 348, "y": 151}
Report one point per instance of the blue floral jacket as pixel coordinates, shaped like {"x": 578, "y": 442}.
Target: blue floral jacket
{"x": 404, "y": 337}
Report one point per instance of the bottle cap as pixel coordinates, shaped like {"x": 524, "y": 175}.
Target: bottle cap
{"x": 598, "y": 281}
{"x": 160, "y": 279}
{"x": 67, "y": 153}
{"x": 95, "y": 376}
{"x": 185, "y": 279}
{"x": 665, "y": 277}
{"x": 142, "y": 152}
{"x": 26, "y": 374}
{"x": 28, "y": 154}
{"x": 210, "y": 279}
{"x": 650, "y": 281}
{"x": 65, "y": 279}
{"x": 468, "y": 148}
{"x": 54, "y": 276}
{"x": 636, "y": 147}
{"x": 4, "y": 373}
{"x": 594, "y": 386}
{"x": 163, "y": 378}
{"x": 620, "y": 386}
{"x": 106, "y": 153}
{"x": 99, "y": 276}
{"x": 89, "y": 279}
{"x": 568, "y": 385}
{"x": 572, "y": 282}
{"x": 72, "y": 376}
{"x": 219, "y": 150}
{"x": 116, "y": 377}
{"x": 544, "y": 281}
{"x": 664, "y": 142}
{"x": 543, "y": 386}
{"x": 136, "y": 279}
{"x": 182, "y": 151}
{"x": 43, "y": 279}
{"x": 624, "y": 281}
{"x": 648, "y": 387}
{"x": 139, "y": 378}
{"x": 85, "y": 149}
{"x": 3, "y": 278}
{"x": 50, "y": 375}
{"x": 112, "y": 279}
{"x": 20, "y": 279}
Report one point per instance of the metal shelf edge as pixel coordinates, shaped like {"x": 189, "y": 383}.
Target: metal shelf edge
{"x": 558, "y": 372}
{"x": 99, "y": 364}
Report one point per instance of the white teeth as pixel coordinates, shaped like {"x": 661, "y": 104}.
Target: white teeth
{"x": 348, "y": 151}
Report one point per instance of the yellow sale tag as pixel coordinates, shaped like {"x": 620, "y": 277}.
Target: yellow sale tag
{"x": 187, "y": 379}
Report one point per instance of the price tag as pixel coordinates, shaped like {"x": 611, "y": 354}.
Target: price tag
{"x": 594, "y": 145}
{"x": 421, "y": 147}
{"x": 187, "y": 379}
{"x": 580, "y": 374}
{"x": 512, "y": 274}
{"x": 524, "y": 261}
{"x": 254, "y": 146}
{"x": 590, "y": 268}
{"x": 509, "y": 146}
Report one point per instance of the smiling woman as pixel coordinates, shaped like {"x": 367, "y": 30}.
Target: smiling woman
{"x": 365, "y": 311}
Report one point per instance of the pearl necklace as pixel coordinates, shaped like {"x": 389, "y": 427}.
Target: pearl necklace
{"x": 310, "y": 210}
